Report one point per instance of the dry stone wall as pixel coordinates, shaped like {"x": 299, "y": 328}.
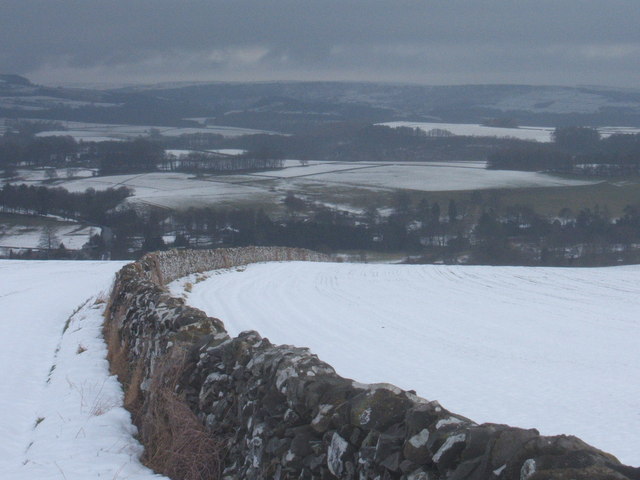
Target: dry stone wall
{"x": 285, "y": 414}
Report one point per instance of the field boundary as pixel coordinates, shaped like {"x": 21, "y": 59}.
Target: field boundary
{"x": 255, "y": 410}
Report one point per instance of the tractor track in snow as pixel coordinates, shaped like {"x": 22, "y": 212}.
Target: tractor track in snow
{"x": 548, "y": 348}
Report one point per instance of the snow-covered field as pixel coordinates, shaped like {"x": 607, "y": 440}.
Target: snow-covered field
{"x": 550, "y": 348}
{"x": 98, "y": 132}
{"x": 229, "y": 152}
{"x": 36, "y": 176}
{"x": 41, "y": 102}
{"x": 181, "y": 190}
{"x": 172, "y": 190}
{"x": 72, "y": 235}
{"x": 314, "y": 168}
{"x": 61, "y": 414}
{"x": 439, "y": 177}
{"x": 539, "y": 134}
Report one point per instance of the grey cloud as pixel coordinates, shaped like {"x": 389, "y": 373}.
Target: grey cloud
{"x": 393, "y": 40}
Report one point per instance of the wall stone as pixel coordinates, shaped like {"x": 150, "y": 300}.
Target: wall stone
{"x": 285, "y": 414}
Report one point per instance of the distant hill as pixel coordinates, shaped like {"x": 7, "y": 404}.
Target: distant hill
{"x": 14, "y": 79}
{"x": 19, "y": 98}
{"x": 520, "y": 104}
{"x": 301, "y": 106}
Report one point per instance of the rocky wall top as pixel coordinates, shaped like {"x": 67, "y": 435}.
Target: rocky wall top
{"x": 173, "y": 264}
{"x": 285, "y": 414}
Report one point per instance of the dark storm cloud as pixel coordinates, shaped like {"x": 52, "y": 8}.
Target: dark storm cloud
{"x": 434, "y": 41}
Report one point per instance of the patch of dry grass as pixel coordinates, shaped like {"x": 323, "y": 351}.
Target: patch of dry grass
{"x": 177, "y": 443}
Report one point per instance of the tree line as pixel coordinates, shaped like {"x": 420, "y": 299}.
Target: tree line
{"x": 90, "y": 206}
{"x": 470, "y": 232}
{"x": 212, "y": 163}
{"x": 140, "y": 155}
{"x": 353, "y": 141}
{"x": 431, "y": 233}
{"x": 576, "y": 150}
{"x": 588, "y": 238}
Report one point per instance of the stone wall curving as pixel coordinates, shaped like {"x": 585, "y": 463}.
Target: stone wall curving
{"x": 284, "y": 414}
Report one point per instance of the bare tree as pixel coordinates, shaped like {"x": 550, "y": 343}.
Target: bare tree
{"x": 49, "y": 239}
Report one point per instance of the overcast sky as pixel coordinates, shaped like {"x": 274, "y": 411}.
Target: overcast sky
{"x": 561, "y": 42}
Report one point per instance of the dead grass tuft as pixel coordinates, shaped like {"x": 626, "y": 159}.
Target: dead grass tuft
{"x": 101, "y": 299}
{"x": 133, "y": 393}
{"x": 177, "y": 443}
{"x": 116, "y": 353}
{"x": 119, "y": 365}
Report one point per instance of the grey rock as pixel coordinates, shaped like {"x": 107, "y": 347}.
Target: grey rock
{"x": 407, "y": 466}
{"x": 277, "y": 446}
{"x": 449, "y": 452}
{"x": 378, "y": 409}
{"x": 337, "y": 454}
{"x": 386, "y": 446}
{"x": 418, "y": 474}
{"x": 392, "y": 462}
{"x": 416, "y": 448}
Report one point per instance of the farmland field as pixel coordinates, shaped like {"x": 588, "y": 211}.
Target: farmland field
{"x": 25, "y": 231}
{"x": 98, "y": 132}
{"x": 547, "y": 348}
{"x": 336, "y": 182}
{"x": 539, "y": 134}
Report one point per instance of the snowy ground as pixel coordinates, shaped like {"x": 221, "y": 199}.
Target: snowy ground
{"x": 181, "y": 190}
{"x": 315, "y": 168}
{"x": 72, "y": 235}
{"x": 439, "y": 178}
{"x": 232, "y": 152}
{"x": 98, "y": 132}
{"x": 550, "y": 348}
{"x": 41, "y": 102}
{"x": 60, "y": 410}
{"x": 37, "y": 176}
{"x": 229, "y": 151}
{"x": 540, "y": 134}
{"x": 174, "y": 190}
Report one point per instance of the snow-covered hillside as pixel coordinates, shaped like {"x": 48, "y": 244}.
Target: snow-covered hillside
{"x": 550, "y": 348}
{"x": 554, "y": 349}
{"x": 538, "y": 134}
{"x": 60, "y": 410}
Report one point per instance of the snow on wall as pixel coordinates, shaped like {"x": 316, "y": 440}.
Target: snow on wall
{"x": 286, "y": 414}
